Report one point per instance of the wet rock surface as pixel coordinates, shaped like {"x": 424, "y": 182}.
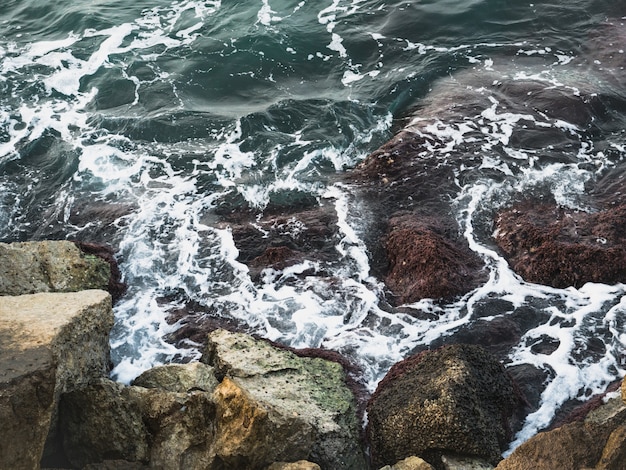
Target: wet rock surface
{"x": 428, "y": 260}
{"x": 457, "y": 399}
{"x": 560, "y": 247}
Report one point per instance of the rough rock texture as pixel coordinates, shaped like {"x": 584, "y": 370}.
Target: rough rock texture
{"x": 427, "y": 260}
{"x": 116, "y": 287}
{"x": 285, "y": 235}
{"x": 455, "y": 462}
{"x": 299, "y": 465}
{"x": 107, "y": 421}
{"x": 551, "y": 245}
{"x": 180, "y": 378}
{"x": 457, "y": 399}
{"x": 410, "y": 463}
{"x": 301, "y": 406}
{"x": 50, "y": 343}
{"x": 597, "y": 442}
{"x": 101, "y": 421}
{"x": 412, "y": 236}
{"x": 49, "y": 266}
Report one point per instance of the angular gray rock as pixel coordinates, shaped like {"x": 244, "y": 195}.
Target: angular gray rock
{"x": 109, "y": 421}
{"x": 49, "y": 266}
{"x": 454, "y": 400}
{"x": 275, "y": 406}
{"x": 50, "y": 343}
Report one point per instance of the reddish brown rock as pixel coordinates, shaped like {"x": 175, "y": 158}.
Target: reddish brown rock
{"x": 427, "y": 262}
{"x": 560, "y": 247}
{"x": 284, "y": 239}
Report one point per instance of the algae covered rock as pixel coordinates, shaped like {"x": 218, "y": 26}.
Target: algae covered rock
{"x": 457, "y": 399}
{"x": 302, "y": 406}
{"x": 49, "y": 266}
{"x": 50, "y": 343}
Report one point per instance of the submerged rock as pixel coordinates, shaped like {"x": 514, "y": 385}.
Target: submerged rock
{"x": 50, "y": 343}
{"x": 559, "y": 247}
{"x": 457, "y": 399}
{"x": 281, "y": 239}
{"x": 275, "y": 406}
{"x": 429, "y": 261}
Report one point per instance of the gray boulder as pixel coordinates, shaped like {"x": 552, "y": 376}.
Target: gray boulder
{"x": 165, "y": 420}
{"x": 181, "y": 378}
{"x": 50, "y": 343}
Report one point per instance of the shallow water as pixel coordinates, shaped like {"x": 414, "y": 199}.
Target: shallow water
{"x": 137, "y": 124}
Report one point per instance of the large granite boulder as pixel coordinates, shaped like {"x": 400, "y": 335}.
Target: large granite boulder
{"x": 275, "y": 406}
{"x": 50, "y": 266}
{"x": 50, "y": 343}
{"x": 598, "y": 441}
{"x": 560, "y": 247}
{"x": 457, "y": 399}
{"x": 168, "y": 422}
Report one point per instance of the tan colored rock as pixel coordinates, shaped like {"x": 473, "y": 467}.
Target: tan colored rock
{"x": 49, "y": 266}
{"x": 302, "y": 403}
{"x": 181, "y": 378}
{"x": 614, "y": 452}
{"x": 299, "y": 465}
{"x": 574, "y": 446}
{"x": 252, "y": 434}
{"x": 49, "y": 343}
{"x": 570, "y": 447}
{"x": 410, "y": 463}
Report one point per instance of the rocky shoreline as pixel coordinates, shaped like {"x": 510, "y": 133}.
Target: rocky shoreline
{"x": 248, "y": 404}
{"x": 251, "y": 404}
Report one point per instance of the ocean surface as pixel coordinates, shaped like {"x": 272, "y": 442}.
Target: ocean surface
{"x": 134, "y": 123}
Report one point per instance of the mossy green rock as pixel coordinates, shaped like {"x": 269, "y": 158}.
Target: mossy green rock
{"x": 308, "y": 392}
{"x": 49, "y": 266}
